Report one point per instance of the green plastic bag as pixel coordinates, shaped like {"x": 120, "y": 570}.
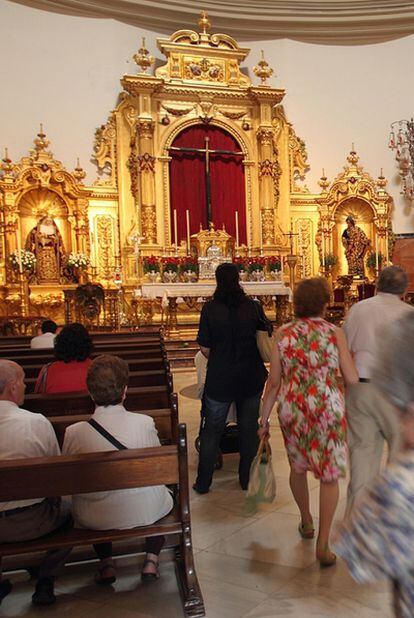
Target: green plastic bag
{"x": 262, "y": 483}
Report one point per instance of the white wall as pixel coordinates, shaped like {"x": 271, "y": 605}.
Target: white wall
{"x": 65, "y": 71}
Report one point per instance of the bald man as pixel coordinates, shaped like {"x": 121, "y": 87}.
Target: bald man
{"x": 25, "y": 434}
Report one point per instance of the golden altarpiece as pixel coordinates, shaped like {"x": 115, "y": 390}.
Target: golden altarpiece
{"x": 126, "y": 215}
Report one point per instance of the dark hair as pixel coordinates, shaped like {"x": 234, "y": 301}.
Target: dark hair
{"x": 393, "y": 280}
{"x": 310, "y": 297}
{"x": 107, "y": 378}
{"x": 48, "y": 326}
{"x": 228, "y": 290}
{"x": 73, "y": 343}
{"x": 350, "y": 219}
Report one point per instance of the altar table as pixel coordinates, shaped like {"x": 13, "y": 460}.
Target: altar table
{"x": 192, "y": 293}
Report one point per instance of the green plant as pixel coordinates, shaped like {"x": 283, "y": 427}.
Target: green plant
{"x": 371, "y": 261}
{"x": 331, "y": 259}
{"x": 189, "y": 264}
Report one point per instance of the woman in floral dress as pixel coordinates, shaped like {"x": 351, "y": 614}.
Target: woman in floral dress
{"x": 303, "y": 376}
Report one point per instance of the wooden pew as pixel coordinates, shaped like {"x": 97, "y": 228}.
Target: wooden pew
{"x": 63, "y": 404}
{"x": 46, "y": 356}
{"x": 23, "y": 342}
{"x": 156, "y": 377}
{"x": 134, "y": 364}
{"x": 106, "y": 471}
{"x": 165, "y": 419}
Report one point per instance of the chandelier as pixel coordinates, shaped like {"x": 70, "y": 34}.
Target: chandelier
{"x": 402, "y": 141}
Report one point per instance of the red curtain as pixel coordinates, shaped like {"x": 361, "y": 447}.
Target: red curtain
{"x": 188, "y": 182}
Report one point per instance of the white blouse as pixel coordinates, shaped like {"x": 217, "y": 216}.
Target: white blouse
{"x": 125, "y": 508}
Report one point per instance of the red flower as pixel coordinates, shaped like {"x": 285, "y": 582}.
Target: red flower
{"x": 314, "y": 444}
{"x": 314, "y": 346}
{"x": 312, "y": 390}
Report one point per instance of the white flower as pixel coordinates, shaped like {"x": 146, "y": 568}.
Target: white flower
{"x": 78, "y": 260}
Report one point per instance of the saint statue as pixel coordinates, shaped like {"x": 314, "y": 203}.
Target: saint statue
{"x": 356, "y": 244}
{"x": 46, "y": 242}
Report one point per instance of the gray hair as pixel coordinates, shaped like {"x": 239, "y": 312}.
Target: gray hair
{"x": 9, "y": 371}
{"x": 393, "y": 280}
{"x": 393, "y": 373}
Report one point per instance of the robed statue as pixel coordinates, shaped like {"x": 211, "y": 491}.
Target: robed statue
{"x": 355, "y": 242}
{"x": 46, "y": 242}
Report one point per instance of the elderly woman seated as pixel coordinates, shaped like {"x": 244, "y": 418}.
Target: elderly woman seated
{"x": 73, "y": 348}
{"x": 112, "y": 427}
{"x": 377, "y": 542}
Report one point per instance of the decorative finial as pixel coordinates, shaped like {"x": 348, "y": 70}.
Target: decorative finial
{"x": 204, "y": 23}
{"x": 263, "y": 70}
{"x": 6, "y": 165}
{"x": 41, "y": 142}
{"x": 323, "y": 181}
{"x": 352, "y": 158}
{"x": 143, "y": 58}
{"x": 79, "y": 172}
{"x": 381, "y": 181}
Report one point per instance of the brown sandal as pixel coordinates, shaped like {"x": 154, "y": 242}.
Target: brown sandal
{"x": 149, "y": 577}
{"x": 105, "y": 580}
{"x": 327, "y": 558}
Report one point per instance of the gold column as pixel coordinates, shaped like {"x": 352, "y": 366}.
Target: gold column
{"x": 269, "y": 172}
{"x": 146, "y": 169}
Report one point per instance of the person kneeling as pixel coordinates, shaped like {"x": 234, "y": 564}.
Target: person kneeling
{"x": 113, "y": 427}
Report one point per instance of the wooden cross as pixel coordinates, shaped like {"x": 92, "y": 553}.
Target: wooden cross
{"x": 208, "y": 152}
{"x": 290, "y": 235}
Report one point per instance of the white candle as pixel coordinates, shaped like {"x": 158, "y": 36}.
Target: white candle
{"x": 175, "y": 229}
{"x": 236, "y": 215}
{"x": 261, "y": 235}
{"x": 187, "y": 218}
{"x": 19, "y": 249}
{"x": 376, "y": 253}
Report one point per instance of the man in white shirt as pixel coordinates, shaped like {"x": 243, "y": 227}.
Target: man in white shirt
{"x": 23, "y": 435}
{"x": 47, "y": 337}
{"x": 107, "y": 384}
{"x": 371, "y": 418}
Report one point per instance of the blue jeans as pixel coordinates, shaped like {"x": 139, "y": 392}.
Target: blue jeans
{"x": 214, "y": 423}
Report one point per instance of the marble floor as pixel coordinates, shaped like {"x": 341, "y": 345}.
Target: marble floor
{"x": 249, "y": 566}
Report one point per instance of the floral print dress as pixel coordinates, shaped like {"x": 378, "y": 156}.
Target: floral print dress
{"x": 312, "y": 408}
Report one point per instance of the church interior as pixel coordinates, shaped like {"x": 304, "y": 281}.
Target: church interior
{"x": 144, "y": 144}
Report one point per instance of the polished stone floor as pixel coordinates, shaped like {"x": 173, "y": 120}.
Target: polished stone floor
{"x": 248, "y": 566}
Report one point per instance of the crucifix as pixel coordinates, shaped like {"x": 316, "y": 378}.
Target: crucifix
{"x": 291, "y": 235}
{"x": 208, "y": 152}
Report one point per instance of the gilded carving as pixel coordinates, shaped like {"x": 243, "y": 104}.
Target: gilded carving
{"x": 149, "y": 224}
{"x": 105, "y": 235}
{"x": 269, "y": 168}
{"x": 104, "y": 150}
{"x": 299, "y": 160}
{"x": 304, "y": 227}
{"x": 204, "y": 69}
{"x": 145, "y": 128}
{"x": 268, "y": 226}
{"x": 146, "y": 163}
{"x": 132, "y": 165}
{"x": 265, "y": 136}
{"x": 177, "y": 111}
{"x": 232, "y": 115}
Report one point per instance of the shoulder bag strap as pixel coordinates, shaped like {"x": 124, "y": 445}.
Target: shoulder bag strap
{"x": 41, "y": 385}
{"x": 108, "y": 436}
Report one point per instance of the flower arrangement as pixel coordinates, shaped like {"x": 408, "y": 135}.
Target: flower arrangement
{"x": 189, "y": 264}
{"x": 274, "y": 263}
{"x": 27, "y": 259}
{"x": 151, "y": 264}
{"x": 78, "y": 260}
{"x": 330, "y": 260}
{"x": 240, "y": 262}
{"x": 170, "y": 264}
{"x": 256, "y": 263}
{"x": 372, "y": 260}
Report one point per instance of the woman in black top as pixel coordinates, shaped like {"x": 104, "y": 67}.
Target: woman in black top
{"x": 235, "y": 372}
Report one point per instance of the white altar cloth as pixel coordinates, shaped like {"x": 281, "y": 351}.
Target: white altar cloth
{"x": 203, "y": 290}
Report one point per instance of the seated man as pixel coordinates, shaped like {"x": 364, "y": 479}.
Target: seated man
{"x": 47, "y": 338}
{"x": 110, "y": 428}
{"x": 24, "y": 434}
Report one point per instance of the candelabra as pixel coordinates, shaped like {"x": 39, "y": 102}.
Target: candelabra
{"x": 402, "y": 141}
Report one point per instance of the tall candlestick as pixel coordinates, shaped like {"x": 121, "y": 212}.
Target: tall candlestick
{"x": 19, "y": 250}
{"x": 236, "y": 215}
{"x": 175, "y": 231}
{"x": 387, "y": 256}
{"x": 187, "y": 218}
{"x": 376, "y": 254}
{"x": 323, "y": 250}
